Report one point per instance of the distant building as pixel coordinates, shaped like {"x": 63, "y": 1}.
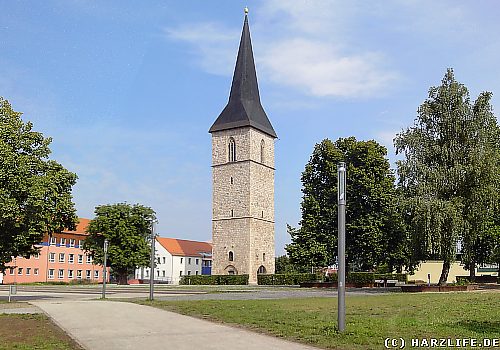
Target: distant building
{"x": 61, "y": 258}
{"x": 243, "y": 176}
{"x": 176, "y": 258}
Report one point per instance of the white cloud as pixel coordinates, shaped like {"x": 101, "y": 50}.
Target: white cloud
{"x": 300, "y": 45}
{"x": 215, "y": 45}
{"x": 321, "y": 70}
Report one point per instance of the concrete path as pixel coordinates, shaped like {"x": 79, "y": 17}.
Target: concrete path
{"x": 118, "y": 325}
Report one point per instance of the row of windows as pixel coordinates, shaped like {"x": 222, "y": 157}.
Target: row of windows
{"x": 71, "y": 242}
{"x": 60, "y": 274}
{"x": 71, "y": 258}
{"x": 20, "y": 271}
{"x": 232, "y": 150}
{"x": 230, "y": 256}
{"x": 189, "y": 261}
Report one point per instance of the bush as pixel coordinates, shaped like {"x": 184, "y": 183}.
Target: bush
{"x": 214, "y": 279}
{"x": 287, "y": 279}
{"x": 401, "y": 277}
{"x": 82, "y": 282}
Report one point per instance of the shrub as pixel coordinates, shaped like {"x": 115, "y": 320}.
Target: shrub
{"x": 82, "y": 282}
{"x": 287, "y": 279}
{"x": 401, "y": 277}
{"x": 214, "y": 279}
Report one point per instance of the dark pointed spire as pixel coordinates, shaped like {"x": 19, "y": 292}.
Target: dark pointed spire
{"x": 244, "y": 107}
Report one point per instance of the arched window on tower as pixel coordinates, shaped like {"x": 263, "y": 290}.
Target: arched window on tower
{"x": 262, "y": 149}
{"x": 232, "y": 150}
{"x": 231, "y": 256}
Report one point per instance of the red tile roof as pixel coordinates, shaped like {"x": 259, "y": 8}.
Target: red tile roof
{"x": 80, "y": 227}
{"x": 182, "y": 247}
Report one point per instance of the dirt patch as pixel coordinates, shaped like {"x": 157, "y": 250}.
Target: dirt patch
{"x": 33, "y": 331}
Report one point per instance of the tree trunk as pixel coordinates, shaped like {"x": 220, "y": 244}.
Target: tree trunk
{"x": 444, "y": 273}
{"x": 122, "y": 277}
{"x": 472, "y": 272}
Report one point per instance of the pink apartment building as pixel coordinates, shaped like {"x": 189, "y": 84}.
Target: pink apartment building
{"x": 61, "y": 258}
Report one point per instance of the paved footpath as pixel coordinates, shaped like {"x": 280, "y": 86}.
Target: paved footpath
{"x": 119, "y": 325}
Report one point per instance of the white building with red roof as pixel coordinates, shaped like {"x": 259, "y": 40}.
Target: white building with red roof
{"x": 176, "y": 258}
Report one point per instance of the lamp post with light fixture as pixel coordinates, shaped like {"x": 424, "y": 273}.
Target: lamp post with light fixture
{"x": 104, "y": 274}
{"x": 341, "y": 189}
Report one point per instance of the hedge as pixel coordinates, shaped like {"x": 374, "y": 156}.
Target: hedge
{"x": 287, "y": 279}
{"x": 214, "y": 279}
{"x": 363, "y": 278}
{"x": 401, "y": 277}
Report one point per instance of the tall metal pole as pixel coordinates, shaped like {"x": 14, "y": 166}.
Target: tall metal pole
{"x": 104, "y": 269}
{"x": 341, "y": 188}
{"x": 152, "y": 263}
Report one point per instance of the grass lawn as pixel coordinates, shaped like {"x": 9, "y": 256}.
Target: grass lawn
{"x": 369, "y": 319}
{"x": 36, "y": 331}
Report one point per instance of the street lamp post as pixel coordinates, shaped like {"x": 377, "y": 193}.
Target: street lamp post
{"x": 152, "y": 263}
{"x": 341, "y": 189}
{"x": 104, "y": 272}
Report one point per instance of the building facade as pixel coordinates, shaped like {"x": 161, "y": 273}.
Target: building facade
{"x": 243, "y": 176}
{"x": 61, "y": 258}
{"x": 176, "y": 258}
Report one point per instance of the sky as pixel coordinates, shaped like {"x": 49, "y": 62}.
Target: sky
{"x": 129, "y": 89}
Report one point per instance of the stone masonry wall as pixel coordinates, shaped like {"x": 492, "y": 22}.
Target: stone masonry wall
{"x": 243, "y": 202}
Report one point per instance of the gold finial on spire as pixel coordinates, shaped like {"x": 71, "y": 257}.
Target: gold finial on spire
{"x": 246, "y": 10}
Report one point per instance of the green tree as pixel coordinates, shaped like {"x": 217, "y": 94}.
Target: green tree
{"x": 35, "y": 192}
{"x": 374, "y": 231}
{"x": 284, "y": 265}
{"x": 127, "y": 228}
{"x": 449, "y": 176}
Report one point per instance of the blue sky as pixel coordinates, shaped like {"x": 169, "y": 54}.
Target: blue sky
{"x": 128, "y": 89}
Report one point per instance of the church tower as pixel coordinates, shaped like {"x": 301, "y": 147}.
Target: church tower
{"x": 243, "y": 176}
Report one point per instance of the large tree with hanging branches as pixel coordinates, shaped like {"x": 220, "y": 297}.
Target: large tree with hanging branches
{"x": 450, "y": 176}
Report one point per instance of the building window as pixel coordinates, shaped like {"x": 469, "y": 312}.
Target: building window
{"x": 164, "y": 260}
{"x": 232, "y": 181}
{"x": 35, "y": 271}
{"x": 60, "y": 274}
{"x": 197, "y": 261}
{"x": 157, "y": 273}
{"x": 71, "y": 258}
{"x": 147, "y": 273}
{"x": 80, "y": 243}
{"x": 28, "y": 271}
{"x": 163, "y": 273}
{"x": 20, "y": 271}
{"x": 189, "y": 260}
{"x": 159, "y": 260}
{"x": 180, "y": 273}
{"x": 80, "y": 258}
{"x": 262, "y": 149}
{"x": 79, "y": 274}
{"x": 63, "y": 241}
{"x": 71, "y": 242}
{"x": 264, "y": 256}
{"x": 37, "y": 256}
{"x": 232, "y": 150}
{"x": 231, "y": 256}
{"x": 96, "y": 274}
{"x": 181, "y": 260}
{"x": 88, "y": 274}
{"x": 61, "y": 257}
{"x": 232, "y": 212}
{"x": 89, "y": 259}
{"x": 51, "y": 273}
{"x": 52, "y": 257}
{"x": 189, "y": 273}
{"x": 53, "y": 241}
{"x": 196, "y": 272}
{"x": 70, "y": 274}
{"x": 261, "y": 270}
{"x": 262, "y": 214}
{"x": 11, "y": 270}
